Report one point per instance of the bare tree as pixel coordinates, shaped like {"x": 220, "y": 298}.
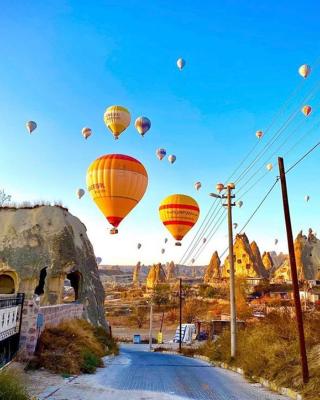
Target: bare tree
{"x": 4, "y": 198}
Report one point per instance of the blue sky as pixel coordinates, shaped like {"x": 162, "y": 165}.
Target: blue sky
{"x": 64, "y": 62}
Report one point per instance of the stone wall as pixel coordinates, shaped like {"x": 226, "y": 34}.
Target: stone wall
{"x": 36, "y": 318}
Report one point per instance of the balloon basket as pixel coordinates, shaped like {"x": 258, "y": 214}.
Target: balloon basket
{"x": 178, "y": 244}
{"x": 113, "y": 231}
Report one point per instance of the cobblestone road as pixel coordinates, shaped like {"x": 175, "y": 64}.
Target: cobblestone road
{"x": 140, "y": 375}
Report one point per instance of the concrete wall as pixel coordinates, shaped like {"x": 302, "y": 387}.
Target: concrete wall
{"x": 36, "y": 318}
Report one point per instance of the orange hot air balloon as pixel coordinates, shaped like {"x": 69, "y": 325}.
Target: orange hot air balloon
{"x": 116, "y": 183}
{"x": 178, "y": 214}
{"x": 306, "y": 110}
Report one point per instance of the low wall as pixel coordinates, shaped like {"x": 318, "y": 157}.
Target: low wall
{"x": 36, "y": 318}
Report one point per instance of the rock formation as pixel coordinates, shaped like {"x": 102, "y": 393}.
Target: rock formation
{"x": 171, "y": 271}
{"x": 267, "y": 261}
{"x": 42, "y": 246}
{"x": 213, "y": 269}
{"x": 136, "y": 273}
{"x": 257, "y": 256}
{"x": 246, "y": 264}
{"x": 307, "y": 252}
{"x": 282, "y": 273}
{"x": 156, "y": 275}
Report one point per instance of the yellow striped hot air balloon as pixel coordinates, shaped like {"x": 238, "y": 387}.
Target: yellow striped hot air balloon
{"x": 117, "y": 119}
{"x": 116, "y": 183}
{"x": 179, "y": 213}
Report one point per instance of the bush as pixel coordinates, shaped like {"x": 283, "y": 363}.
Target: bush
{"x": 72, "y": 347}
{"x": 11, "y": 388}
{"x": 139, "y": 316}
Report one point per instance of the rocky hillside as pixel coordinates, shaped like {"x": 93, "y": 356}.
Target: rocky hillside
{"x": 42, "y": 246}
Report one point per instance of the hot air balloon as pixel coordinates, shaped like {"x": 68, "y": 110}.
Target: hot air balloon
{"x": 307, "y": 198}
{"x": 192, "y": 261}
{"x": 166, "y": 240}
{"x": 219, "y": 187}
{"x": 259, "y": 134}
{"x": 276, "y": 241}
{"x": 139, "y": 246}
{"x": 31, "y": 126}
{"x": 235, "y": 225}
{"x": 98, "y": 260}
{"x": 80, "y": 193}
{"x": 162, "y": 251}
{"x": 116, "y": 183}
{"x": 197, "y": 185}
{"x": 304, "y": 70}
{"x": 142, "y": 125}
{"x": 204, "y": 240}
{"x": 160, "y": 153}
{"x": 86, "y": 132}
{"x": 179, "y": 213}
{"x": 269, "y": 167}
{"x": 239, "y": 203}
{"x": 117, "y": 119}
{"x": 306, "y": 110}
{"x": 181, "y": 63}
{"x": 172, "y": 158}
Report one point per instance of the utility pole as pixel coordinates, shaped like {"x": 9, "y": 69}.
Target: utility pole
{"x": 294, "y": 275}
{"x": 180, "y": 315}
{"x": 150, "y": 326}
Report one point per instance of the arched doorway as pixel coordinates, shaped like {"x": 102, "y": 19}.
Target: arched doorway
{"x": 39, "y": 290}
{"x": 6, "y": 284}
{"x": 75, "y": 279}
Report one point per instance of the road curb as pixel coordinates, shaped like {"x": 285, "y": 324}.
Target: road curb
{"x": 263, "y": 382}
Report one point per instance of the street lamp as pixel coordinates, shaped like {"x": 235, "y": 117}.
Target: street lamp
{"x": 233, "y": 317}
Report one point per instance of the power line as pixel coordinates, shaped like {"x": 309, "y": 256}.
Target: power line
{"x": 303, "y": 157}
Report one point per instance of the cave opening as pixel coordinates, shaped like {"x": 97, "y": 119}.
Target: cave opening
{"x": 7, "y": 285}
{"x": 39, "y": 290}
{"x": 75, "y": 279}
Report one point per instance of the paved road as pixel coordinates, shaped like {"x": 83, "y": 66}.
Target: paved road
{"x": 162, "y": 376}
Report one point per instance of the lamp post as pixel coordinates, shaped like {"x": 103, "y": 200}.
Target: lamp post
{"x": 233, "y": 312}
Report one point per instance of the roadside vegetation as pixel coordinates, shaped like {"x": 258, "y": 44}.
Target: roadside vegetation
{"x": 73, "y": 347}
{"x": 11, "y": 387}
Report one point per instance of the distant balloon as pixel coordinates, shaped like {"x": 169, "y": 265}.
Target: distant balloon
{"x": 235, "y": 225}
{"x": 239, "y": 203}
{"x": 86, "y": 132}
{"x": 179, "y": 213}
{"x": 259, "y": 134}
{"x": 172, "y": 158}
{"x": 98, "y": 260}
{"x": 304, "y": 70}
{"x": 139, "y": 246}
{"x": 276, "y": 241}
{"x": 269, "y": 167}
{"x": 306, "y": 110}
{"x": 197, "y": 185}
{"x": 192, "y": 261}
{"x": 160, "y": 153}
{"x": 80, "y": 193}
{"x": 117, "y": 119}
{"x": 142, "y": 125}
{"x": 166, "y": 240}
{"x": 31, "y": 126}
{"x": 219, "y": 187}
{"x": 204, "y": 240}
{"x": 162, "y": 251}
{"x": 181, "y": 63}
{"x": 307, "y": 198}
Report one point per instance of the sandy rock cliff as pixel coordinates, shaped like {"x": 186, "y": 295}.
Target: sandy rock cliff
{"x": 42, "y": 246}
{"x": 156, "y": 275}
{"x": 213, "y": 270}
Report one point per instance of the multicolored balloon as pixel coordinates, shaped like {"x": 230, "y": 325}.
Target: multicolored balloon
{"x": 306, "y": 110}
{"x": 160, "y": 153}
{"x": 142, "y": 124}
{"x": 197, "y": 185}
{"x": 80, "y": 193}
{"x": 31, "y": 126}
{"x": 117, "y": 119}
{"x": 116, "y": 183}
{"x": 86, "y": 132}
{"x": 172, "y": 158}
{"x": 304, "y": 70}
{"x": 181, "y": 63}
{"x": 259, "y": 134}
{"x": 179, "y": 213}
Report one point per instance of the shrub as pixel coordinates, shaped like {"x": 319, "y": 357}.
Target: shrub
{"x": 139, "y": 316}
{"x": 11, "y": 388}
{"x": 90, "y": 362}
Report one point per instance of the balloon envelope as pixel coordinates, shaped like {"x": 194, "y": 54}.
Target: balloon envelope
{"x": 142, "y": 125}
{"x": 239, "y": 203}
{"x": 306, "y": 110}
{"x": 181, "y": 63}
{"x": 98, "y": 260}
{"x": 80, "y": 193}
{"x": 276, "y": 241}
{"x": 139, "y": 246}
{"x": 117, "y": 119}
{"x": 162, "y": 251}
{"x": 166, "y": 240}
{"x": 172, "y": 158}
{"x": 307, "y": 198}
{"x": 86, "y": 132}
{"x": 179, "y": 213}
{"x": 31, "y": 126}
{"x": 197, "y": 185}
{"x": 116, "y": 183}
{"x": 259, "y": 134}
{"x": 235, "y": 225}
{"x": 269, "y": 167}
{"x": 160, "y": 153}
{"x": 304, "y": 70}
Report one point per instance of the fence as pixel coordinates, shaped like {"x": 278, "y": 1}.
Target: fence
{"x": 11, "y": 307}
